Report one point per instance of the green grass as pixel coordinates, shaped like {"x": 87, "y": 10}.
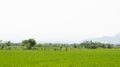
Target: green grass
{"x": 71, "y": 58}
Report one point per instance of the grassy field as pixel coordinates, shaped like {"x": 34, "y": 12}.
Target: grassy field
{"x": 71, "y": 58}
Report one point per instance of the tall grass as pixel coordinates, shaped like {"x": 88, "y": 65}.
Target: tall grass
{"x": 71, "y": 58}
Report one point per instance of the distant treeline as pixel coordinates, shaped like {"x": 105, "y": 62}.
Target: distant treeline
{"x": 30, "y": 44}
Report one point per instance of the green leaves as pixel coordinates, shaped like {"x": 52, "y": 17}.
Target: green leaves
{"x": 29, "y": 43}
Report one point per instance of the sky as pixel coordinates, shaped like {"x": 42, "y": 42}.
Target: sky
{"x": 64, "y": 21}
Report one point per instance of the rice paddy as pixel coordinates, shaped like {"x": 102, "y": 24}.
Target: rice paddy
{"x": 70, "y": 58}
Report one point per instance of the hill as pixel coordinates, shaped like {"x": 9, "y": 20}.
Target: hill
{"x": 108, "y": 39}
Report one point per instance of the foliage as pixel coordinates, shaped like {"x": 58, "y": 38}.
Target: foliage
{"x": 71, "y": 58}
{"x": 29, "y": 43}
{"x": 5, "y": 45}
{"x": 94, "y": 45}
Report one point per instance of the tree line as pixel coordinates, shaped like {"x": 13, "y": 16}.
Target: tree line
{"x": 30, "y": 44}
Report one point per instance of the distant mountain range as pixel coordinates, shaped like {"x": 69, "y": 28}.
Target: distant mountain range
{"x": 106, "y": 39}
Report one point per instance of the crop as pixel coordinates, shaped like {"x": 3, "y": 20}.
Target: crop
{"x": 70, "y": 58}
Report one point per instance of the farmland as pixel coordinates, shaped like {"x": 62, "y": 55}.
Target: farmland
{"x": 70, "y": 58}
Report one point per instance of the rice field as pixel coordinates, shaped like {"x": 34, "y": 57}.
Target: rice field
{"x": 70, "y": 58}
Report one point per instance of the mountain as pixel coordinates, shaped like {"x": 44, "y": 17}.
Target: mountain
{"x": 106, "y": 39}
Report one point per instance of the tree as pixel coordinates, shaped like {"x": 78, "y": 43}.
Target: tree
{"x": 90, "y": 44}
{"x": 110, "y": 46}
{"x": 103, "y": 46}
{"x": 74, "y": 45}
{"x": 5, "y": 45}
{"x": 29, "y": 43}
{"x": 8, "y": 43}
{"x": 1, "y": 45}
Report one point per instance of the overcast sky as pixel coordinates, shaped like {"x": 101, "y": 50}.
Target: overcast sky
{"x": 58, "y": 20}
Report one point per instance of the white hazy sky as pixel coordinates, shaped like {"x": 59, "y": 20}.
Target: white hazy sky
{"x": 58, "y": 20}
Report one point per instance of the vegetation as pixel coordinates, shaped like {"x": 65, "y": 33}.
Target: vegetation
{"x": 50, "y": 58}
{"x": 94, "y": 45}
{"x": 28, "y": 53}
{"x": 30, "y": 44}
{"x": 5, "y": 45}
